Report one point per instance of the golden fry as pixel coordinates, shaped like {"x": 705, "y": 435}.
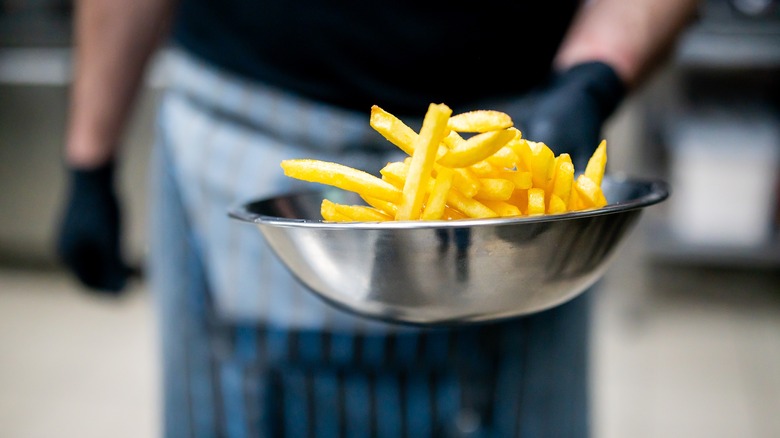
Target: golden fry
{"x": 476, "y": 149}
{"x": 393, "y": 129}
{"x": 387, "y": 207}
{"x": 437, "y": 199}
{"x": 343, "y": 177}
{"x": 535, "y": 201}
{"x": 540, "y": 161}
{"x": 464, "y": 181}
{"x": 589, "y": 193}
{"x": 503, "y": 209}
{"x": 480, "y": 121}
{"x": 434, "y": 128}
{"x": 329, "y": 213}
{"x": 481, "y": 168}
{"x": 597, "y": 163}
{"x": 394, "y": 172}
{"x": 470, "y": 207}
{"x": 557, "y": 205}
{"x": 505, "y": 157}
{"x": 521, "y": 179}
{"x": 563, "y": 178}
{"x": 495, "y": 189}
{"x": 452, "y": 214}
{"x": 358, "y": 213}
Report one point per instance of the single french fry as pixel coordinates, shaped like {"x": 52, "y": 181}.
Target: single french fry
{"x": 362, "y": 213}
{"x": 504, "y": 158}
{"x": 385, "y": 206}
{"x": 521, "y": 179}
{"x": 557, "y": 205}
{"x": 451, "y": 140}
{"x": 468, "y": 206}
{"x": 540, "y": 160}
{"x": 520, "y": 147}
{"x": 575, "y": 204}
{"x": 480, "y": 121}
{"x": 519, "y": 199}
{"x": 481, "y": 168}
{"x": 452, "y": 214}
{"x": 535, "y": 201}
{"x": 343, "y": 177}
{"x": 503, "y": 209}
{"x": 464, "y": 181}
{"x": 357, "y": 213}
{"x": 396, "y": 131}
{"x": 476, "y": 148}
{"x": 434, "y": 128}
{"x": 563, "y": 178}
{"x": 393, "y": 129}
{"x": 394, "y": 172}
{"x": 597, "y": 163}
{"x": 329, "y": 213}
{"x": 589, "y": 193}
{"x": 437, "y": 199}
{"x": 495, "y": 189}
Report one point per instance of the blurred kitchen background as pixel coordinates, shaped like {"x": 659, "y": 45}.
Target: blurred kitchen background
{"x": 687, "y": 321}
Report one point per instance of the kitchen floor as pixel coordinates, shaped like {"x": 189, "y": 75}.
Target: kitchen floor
{"x": 678, "y": 352}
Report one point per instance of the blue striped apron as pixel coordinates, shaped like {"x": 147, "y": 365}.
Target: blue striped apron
{"x": 248, "y": 352}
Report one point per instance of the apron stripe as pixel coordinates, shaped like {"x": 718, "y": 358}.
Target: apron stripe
{"x": 508, "y": 390}
{"x": 178, "y": 405}
{"x": 372, "y": 403}
{"x": 206, "y": 413}
{"x": 447, "y": 401}
{"x": 275, "y": 405}
{"x": 234, "y": 414}
{"x": 296, "y": 413}
{"x": 419, "y": 414}
{"x": 341, "y": 410}
{"x": 309, "y": 397}
{"x": 251, "y": 397}
{"x": 358, "y": 407}
{"x": 327, "y": 421}
{"x": 389, "y": 414}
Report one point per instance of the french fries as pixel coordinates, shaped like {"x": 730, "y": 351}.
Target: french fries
{"x": 489, "y": 171}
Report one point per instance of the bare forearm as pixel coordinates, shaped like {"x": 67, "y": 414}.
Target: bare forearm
{"x": 630, "y": 36}
{"x": 114, "y": 41}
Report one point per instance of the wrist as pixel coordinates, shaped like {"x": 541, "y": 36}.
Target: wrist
{"x": 84, "y": 156}
{"x": 88, "y": 147}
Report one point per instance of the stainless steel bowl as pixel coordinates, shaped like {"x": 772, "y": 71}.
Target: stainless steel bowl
{"x": 448, "y": 272}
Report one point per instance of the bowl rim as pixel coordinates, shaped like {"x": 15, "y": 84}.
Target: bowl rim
{"x": 658, "y": 190}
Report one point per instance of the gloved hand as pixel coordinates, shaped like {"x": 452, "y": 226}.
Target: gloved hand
{"x": 88, "y": 242}
{"x": 567, "y": 112}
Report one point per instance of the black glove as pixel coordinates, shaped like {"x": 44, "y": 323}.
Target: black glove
{"x": 567, "y": 113}
{"x": 89, "y": 235}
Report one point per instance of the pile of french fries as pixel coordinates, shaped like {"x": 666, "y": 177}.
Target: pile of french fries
{"x": 469, "y": 165}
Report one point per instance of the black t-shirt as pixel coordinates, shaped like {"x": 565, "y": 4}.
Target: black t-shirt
{"x": 401, "y": 55}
